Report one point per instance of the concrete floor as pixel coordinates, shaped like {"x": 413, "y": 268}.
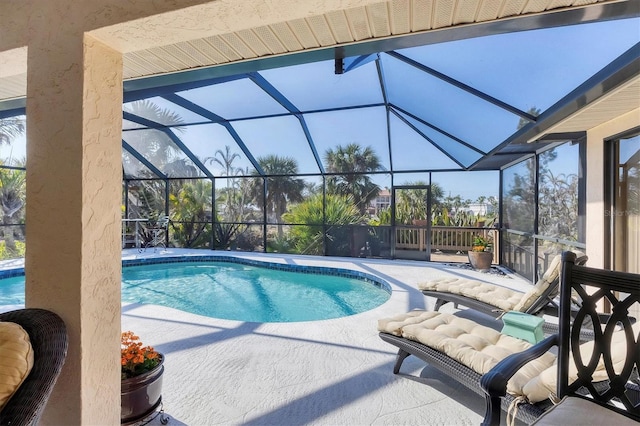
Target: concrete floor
{"x": 330, "y": 372}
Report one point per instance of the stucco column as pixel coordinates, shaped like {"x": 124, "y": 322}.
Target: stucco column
{"x": 74, "y": 178}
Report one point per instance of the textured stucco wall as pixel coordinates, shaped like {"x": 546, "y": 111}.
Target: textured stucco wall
{"x": 596, "y": 208}
{"x": 19, "y": 18}
{"x": 74, "y": 174}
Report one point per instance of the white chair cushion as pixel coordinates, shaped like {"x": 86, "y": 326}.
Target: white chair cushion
{"x": 476, "y": 346}
{"x": 501, "y": 297}
{"x": 480, "y": 348}
{"x": 551, "y": 274}
{"x": 545, "y": 382}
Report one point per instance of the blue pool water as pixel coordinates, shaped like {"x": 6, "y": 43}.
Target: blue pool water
{"x": 238, "y": 291}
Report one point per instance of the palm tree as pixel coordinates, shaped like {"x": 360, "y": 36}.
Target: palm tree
{"x": 10, "y": 128}
{"x": 354, "y": 161}
{"x": 282, "y": 186}
{"x": 411, "y": 203}
{"x": 146, "y": 198}
{"x": 180, "y": 168}
{"x": 225, "y": 160}
{"x": 237, "y": 197}
{"x": 155, "y": 145}
{"x": 190, "y": 214}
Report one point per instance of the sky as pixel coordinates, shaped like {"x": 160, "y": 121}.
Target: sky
{"x": 526, "y": 69}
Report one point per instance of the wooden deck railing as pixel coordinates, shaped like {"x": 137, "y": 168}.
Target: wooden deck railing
{"x": 445, "y": 238}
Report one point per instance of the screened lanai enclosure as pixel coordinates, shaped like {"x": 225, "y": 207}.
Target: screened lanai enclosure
{"x": 408, "y": 153}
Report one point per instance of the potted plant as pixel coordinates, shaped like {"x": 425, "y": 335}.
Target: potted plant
{"x": 480, "y": 255}
{"x": 142, "y": 370}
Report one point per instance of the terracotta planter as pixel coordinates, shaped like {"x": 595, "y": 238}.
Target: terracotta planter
{"x": 141, "y": 395}
{"x": 480, "y": 260}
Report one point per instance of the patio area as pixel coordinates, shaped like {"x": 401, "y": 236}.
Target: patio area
{"x": 332, "y": 128}
{"x": 330, "y": 372}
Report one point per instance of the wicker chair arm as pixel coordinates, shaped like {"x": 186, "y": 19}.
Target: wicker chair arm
{"x": 494, "y": 382}
{"x": 48, "y": 336}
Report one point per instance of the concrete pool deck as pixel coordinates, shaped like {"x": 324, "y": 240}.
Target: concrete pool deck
{"x": 329, "y": 372}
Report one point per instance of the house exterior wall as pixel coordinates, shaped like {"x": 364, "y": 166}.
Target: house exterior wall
{"x": 596, "y": 209}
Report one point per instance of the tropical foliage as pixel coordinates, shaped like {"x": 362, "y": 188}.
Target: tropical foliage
{"x": 239, "y": 198}
{"x": 190, "y": 223}
{"x": 338, "y": 210}
{"x": 411, "y": 204}
{"x": 351, "y": 164}
{"x": 12, "y": 193}
{"x": 480, "y": 243}
{"x": 557, "y": 200}
{"x": 11, "y": 128}
{"x": 411, "y": 208}
{"x": 558, "y": 205}
{"x": 519, "y": 196}
{"x": 155, "y": 145}
{"x": 224, "y": 234}
{"x": 17, "y": 251}
{"x": 282, "y": 187}
{"x": 227, "y": 195}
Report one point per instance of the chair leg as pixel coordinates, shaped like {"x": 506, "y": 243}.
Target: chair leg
{"x": 439, "y": 304}
{"x": 492, "y": 411}
{"x": 402, "y": 355}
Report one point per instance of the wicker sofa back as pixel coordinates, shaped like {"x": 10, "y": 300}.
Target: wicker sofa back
{"x": 617, "y": 402}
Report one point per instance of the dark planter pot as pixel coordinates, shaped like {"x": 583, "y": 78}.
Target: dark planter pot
{"x": 480, "y": 260}
{"x": 141, "y": 395}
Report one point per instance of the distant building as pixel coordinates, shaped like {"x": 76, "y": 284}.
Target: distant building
{"x": 481, "y": 209}
{"x": 381, "y": 202}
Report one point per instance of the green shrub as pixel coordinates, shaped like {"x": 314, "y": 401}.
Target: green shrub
{"x": 339, "y": 210}
{"x": 7, "y": 253}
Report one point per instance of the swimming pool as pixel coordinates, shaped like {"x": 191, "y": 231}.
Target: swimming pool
{"x": 240, "y": 289}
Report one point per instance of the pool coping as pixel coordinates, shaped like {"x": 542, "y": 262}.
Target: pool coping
{"x": 304, "y": 269}
{"x": 10, "y": 273}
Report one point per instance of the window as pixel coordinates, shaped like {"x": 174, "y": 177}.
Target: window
{"x": 624, "y": 211}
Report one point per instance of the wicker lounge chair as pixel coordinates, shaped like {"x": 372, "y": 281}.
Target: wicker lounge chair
{"x": 470, "y": 353}
{"x": 495, "y": 300}
{"x": 578, "y": 372}
{"x": 461, "y": 372}
{"x": 48, "y": 337}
